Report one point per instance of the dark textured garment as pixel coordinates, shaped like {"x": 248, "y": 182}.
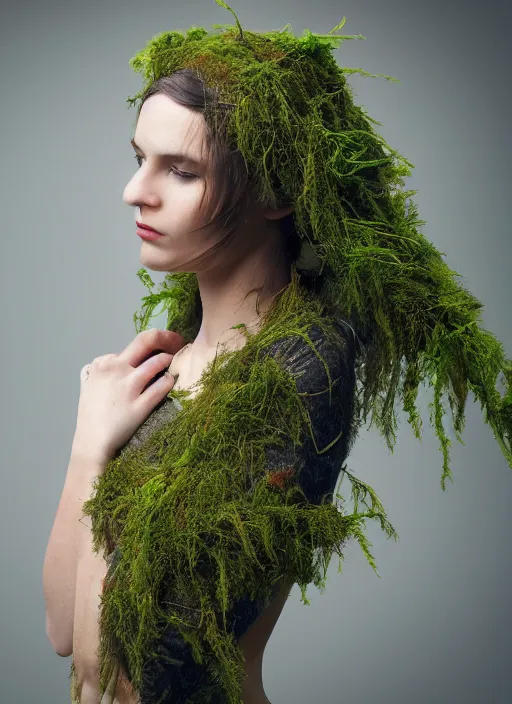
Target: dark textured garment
{"x": 172, "y": 676}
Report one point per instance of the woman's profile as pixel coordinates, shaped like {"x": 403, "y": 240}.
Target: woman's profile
{"x": 301, "y": 299}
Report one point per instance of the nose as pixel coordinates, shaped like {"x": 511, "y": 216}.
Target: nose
{"x": 139, "y": 191}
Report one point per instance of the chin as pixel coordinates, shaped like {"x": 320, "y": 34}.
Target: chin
{"x": 154, "y": 264}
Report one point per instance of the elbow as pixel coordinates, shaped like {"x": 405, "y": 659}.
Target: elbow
{"x": 62, "y": 646}
{"x": 64, "y": 652}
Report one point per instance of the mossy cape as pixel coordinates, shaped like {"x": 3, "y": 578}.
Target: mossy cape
{"x": 178, "y": 506}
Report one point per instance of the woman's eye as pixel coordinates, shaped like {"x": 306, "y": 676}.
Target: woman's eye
{"x": 174, "y": 170}
{"x": 181, "y": 174}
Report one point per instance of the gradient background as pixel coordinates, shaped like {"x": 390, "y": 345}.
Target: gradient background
{"x": 437, "y": 626}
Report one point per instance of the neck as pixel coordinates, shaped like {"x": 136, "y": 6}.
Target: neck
{"x": 222, "y": 297}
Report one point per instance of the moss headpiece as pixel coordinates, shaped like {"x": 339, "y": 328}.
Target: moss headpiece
{"x": 305, "y": 143}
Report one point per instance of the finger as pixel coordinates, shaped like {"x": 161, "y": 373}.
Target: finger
{"x": 154, "y": 394}
{"x": 150, "y": 342}
{"x": 155, "y": 390}
{"x": 151, "y": 371}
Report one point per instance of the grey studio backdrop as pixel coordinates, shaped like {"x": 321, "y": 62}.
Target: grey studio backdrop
{"x": 436, "y": 627}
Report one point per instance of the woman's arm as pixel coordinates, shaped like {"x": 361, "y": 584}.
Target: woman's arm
{"x": 62, "y": 553}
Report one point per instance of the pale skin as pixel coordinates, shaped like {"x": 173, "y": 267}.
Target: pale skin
{"x": 170, "y": 204}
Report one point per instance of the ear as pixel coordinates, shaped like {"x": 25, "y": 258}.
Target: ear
{"x": 277, "y": 214}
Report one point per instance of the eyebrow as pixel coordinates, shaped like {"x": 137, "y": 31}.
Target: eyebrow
{"x": 181, "y": 158}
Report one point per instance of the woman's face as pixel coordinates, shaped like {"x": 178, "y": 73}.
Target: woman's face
{"x": 167, "y": 187}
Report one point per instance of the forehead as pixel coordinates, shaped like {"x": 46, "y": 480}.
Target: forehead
{"x": 164, "y": 125}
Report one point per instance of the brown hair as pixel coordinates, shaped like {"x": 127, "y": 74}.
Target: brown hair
{"x": 229, "y": 187}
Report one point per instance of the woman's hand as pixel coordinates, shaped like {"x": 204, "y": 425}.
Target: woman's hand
{"x": 120, "y": 392}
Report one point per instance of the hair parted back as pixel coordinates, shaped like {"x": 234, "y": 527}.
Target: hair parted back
{"x": 229, "y": 188}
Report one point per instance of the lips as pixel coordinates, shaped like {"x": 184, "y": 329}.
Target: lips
{"x": 147, "y": 227}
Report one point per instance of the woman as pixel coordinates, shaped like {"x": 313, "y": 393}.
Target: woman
{"x": 171, "y": 203}
{"x": 215, "y": 494}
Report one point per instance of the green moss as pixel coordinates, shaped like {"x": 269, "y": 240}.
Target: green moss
{"x": 177, "y": 505}
{"x": 316, "y": 149}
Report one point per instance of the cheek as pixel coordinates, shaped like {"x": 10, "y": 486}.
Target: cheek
{"x": 186, "y": 201}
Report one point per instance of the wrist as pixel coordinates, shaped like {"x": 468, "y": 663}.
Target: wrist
{"x": 91, "y": 463}
{"x": 90, "y": 454}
